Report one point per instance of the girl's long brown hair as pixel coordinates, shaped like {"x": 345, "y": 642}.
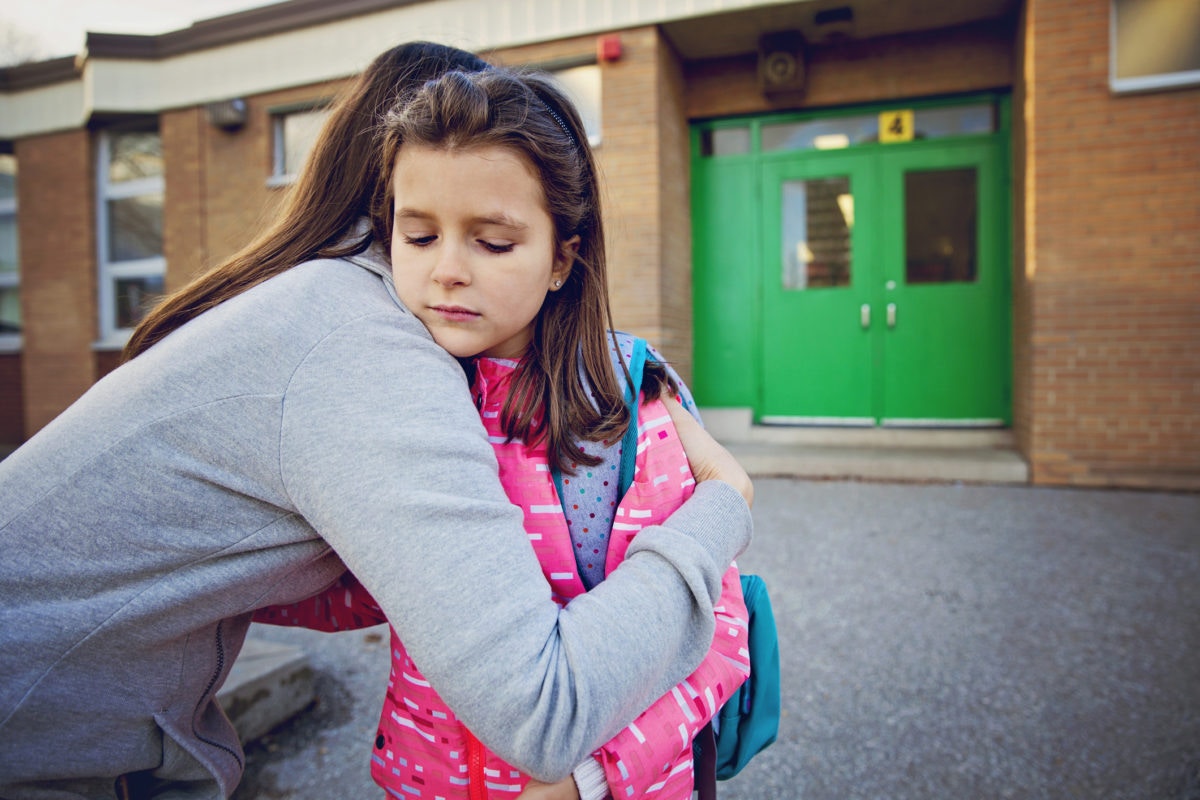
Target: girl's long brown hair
{"x": 567, "y": 371}
{"x": 343, "y": 178}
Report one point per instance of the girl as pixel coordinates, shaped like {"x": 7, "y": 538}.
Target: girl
{"x": 282, "y": 419}
{"x": 497, "y": 246}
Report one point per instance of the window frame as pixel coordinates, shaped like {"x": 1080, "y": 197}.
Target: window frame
{"x": 109, "y": 272}
{"x": 1141, "y": 83}
{"x": 278, "y": 116}
{"x": 591, "y": 114}
{"x": 12, "y": 342}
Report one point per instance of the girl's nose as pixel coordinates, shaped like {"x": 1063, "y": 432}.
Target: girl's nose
{"x": 451, "y": 268}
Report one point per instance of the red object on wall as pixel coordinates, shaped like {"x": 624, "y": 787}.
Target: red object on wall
{"x": 608, "y": 48}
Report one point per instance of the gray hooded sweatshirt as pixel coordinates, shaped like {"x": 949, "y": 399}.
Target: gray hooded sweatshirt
{"x": 308, "y": 425}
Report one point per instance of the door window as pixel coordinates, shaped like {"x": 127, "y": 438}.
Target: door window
{"x": 940, "y": 224}
{"x": 817, "y": 220}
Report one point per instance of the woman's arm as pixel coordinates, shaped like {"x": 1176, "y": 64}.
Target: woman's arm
{"x": 383, "y": 453}
{"x": 633, "y": 760}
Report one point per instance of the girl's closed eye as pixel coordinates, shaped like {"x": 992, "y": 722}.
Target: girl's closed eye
{"x": 419, "y": 240}
{"x": 497, "y": 247}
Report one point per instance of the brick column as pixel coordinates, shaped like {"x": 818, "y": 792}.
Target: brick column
{"x": 184, "y": 201}
{"x": 644, "y": 160}
{"x": 56, "y": 195}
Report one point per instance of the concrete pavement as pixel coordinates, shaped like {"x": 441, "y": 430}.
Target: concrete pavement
{"x": 938, "y": 641}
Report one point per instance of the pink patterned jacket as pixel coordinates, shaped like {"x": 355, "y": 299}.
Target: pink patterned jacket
{"x": 423, "y": 751}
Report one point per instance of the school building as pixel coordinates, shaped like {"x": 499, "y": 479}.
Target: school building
{"x": 839, "y": 215}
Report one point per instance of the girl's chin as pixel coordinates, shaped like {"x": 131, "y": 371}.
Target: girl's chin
{"x": 460, "y": 352}
{"x": 457, "y": 348}
{"x": 452, "y": 341}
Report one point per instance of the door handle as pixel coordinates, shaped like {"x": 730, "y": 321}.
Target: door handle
{"x": 891, "y": 315}
{"x": 864, "y": 316}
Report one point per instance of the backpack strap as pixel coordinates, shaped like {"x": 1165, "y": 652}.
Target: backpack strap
{"x": 704, "y": 750}
{"x": 637, "y": 364}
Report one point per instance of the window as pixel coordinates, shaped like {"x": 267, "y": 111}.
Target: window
{"x": 582, "y": 86}
{"x": 724, "y": 141}
{"x": 129, "y": 230}
{"x": 294, "y": 133}
{"x": 820, "y": 134}
{"x": 10, "y": 272}
{"x": 834, "y": 133}
{"x": 1154, "y": 44}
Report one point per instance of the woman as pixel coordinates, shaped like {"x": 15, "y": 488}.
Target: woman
{"x": 280, "y": 420}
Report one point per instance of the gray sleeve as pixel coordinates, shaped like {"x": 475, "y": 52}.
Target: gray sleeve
{"x": 383, "y": 453}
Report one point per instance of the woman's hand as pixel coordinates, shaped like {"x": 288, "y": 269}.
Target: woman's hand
{"x": 563, "y": 790}
{"x": 708, "y": 459}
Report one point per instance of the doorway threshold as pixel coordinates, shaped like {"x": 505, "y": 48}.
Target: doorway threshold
{"x": 918, "y": 454}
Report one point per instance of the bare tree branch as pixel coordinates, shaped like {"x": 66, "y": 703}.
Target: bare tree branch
{"x": 18, "y": 46}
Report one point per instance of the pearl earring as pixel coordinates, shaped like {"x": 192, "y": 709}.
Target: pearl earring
{"x": 557, "y": 284}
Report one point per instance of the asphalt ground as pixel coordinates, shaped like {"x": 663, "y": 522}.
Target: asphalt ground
{"x": 937, "y": 641}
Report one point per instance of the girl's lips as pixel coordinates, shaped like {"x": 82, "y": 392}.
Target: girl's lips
{"x": 454, "y": 313}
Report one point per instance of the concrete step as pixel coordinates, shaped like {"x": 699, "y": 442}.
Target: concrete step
{"x": 942, "y": 465}
{"x": 983, "y": 455}
{"x": 268, "y": 685}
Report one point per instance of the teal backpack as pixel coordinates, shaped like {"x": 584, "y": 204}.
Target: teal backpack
{"x": 749, "y": 720}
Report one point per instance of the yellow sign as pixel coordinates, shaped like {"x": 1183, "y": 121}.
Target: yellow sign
{"x": 896, "y": 126}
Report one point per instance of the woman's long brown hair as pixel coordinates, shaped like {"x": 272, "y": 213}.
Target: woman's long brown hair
{"x": 567, "y": 371}
{"x": 341, "y": 181}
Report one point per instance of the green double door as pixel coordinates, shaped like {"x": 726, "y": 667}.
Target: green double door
{"x": 884, "y": 294}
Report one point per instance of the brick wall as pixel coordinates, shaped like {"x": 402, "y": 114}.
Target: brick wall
{"x": 238, "y": 201}
{"x": 56, "y": 196}
{"x": 1113, "y": 265}
{"x": 184, "y": 240}
{"x": 217, "y": 194}
{"x": 968, "y": 58}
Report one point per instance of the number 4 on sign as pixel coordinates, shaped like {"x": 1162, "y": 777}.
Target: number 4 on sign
{"x": 896, "y": 126}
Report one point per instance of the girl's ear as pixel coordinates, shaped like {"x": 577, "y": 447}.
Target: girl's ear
{"x": 567, "y": 253}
